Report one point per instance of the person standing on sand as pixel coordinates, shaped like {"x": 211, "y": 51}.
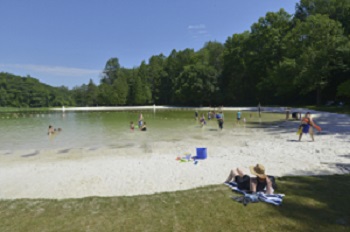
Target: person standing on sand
{"x": 220, "y": 119}
{"x": 238, "y": 117}
{"x": 202, "y": 121}
{"x": 306, "y": 126}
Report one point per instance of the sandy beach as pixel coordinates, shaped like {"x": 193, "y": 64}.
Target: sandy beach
{"x": 151, "y": 168}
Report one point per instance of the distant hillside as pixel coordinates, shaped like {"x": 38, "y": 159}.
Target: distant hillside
{"x": 17, "y": 91}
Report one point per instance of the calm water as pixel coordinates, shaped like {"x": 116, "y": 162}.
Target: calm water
{"x": 99, "y": 129}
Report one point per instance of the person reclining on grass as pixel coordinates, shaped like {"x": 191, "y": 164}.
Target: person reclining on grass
{"x": 260, "y": 183}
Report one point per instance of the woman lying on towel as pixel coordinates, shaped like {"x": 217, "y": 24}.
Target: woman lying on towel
{"x": 260, "y": 183}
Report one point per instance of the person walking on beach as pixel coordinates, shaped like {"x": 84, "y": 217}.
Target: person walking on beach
{"x": 306, "y": 126}
{"x": 202, "y": 121}
{"x": 238, "y": 117}
{"x": 220, "y": 119}
{"x": 260, "y": 183}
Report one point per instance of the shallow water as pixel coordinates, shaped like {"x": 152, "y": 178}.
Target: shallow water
{"x": 94, "y": 130}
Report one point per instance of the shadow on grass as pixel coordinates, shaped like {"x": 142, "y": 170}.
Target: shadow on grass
{"x": 311, "y": 204}
{"x": 322, "y": 202}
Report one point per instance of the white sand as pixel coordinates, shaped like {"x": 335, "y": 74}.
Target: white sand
{"x": 152, "y": 168}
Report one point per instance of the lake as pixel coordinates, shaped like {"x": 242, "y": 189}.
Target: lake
{"x": 93, "y": 129}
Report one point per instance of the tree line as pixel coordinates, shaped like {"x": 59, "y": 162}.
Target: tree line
{"x": 16, "y": 91}
{"x": 283, "y": 59}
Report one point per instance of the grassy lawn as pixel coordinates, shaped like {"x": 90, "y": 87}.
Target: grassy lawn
{"x": 311, "y": 204}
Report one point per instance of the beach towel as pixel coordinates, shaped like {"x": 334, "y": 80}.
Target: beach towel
{"x": 275, "y": 199}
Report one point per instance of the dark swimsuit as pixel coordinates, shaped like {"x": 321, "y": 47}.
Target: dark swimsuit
{"x": 243, "y": 183}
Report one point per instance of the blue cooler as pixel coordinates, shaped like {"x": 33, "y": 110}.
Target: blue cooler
{"x": 201, "y": 153}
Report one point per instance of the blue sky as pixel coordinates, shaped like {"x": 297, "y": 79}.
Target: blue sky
{"x": 67, "y": 42}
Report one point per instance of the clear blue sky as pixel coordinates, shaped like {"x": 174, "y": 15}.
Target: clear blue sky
{"x": 67, "y": 42}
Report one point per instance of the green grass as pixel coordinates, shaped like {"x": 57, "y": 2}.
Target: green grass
{"x": 311, "y": 204}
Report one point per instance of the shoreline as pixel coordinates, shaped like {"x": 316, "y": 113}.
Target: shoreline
{"x": 151, "y": 168}
{"x": 156, "y": 107}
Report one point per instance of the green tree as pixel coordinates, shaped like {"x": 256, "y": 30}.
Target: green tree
{"x": 196, "y": 85}
{"x": 107, "y": 96}
{"x": 157, "y": 74}
{"x": 174, "y": 65}
{"x": 235, "y": 83}
{"x": 3, "y": 97}
{"x": 121, "y": 89}
{"x": 344, "y": 89}
{"x": 267, "y": 51}
{"x": 317, "y": 45}
{"x": 91, "y": 94}
{"x": 338, "y": 10}
{"x": 111, "y": 70}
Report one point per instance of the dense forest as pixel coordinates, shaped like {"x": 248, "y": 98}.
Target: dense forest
{"x": 16, "y": 91}
{"x": 283, "y": 59}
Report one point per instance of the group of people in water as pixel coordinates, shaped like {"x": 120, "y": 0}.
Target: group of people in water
{"x": 306, "y": 124}
{"x": 211, "y": 114}
{"x": 219, "y": 116}
{"x": 53, "y": 130}
{"x": 141, "y": 124}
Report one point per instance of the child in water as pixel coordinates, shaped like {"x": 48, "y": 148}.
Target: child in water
{"x": 53, "y": 130}
{"x": 144, "y": 127}
{"x": 202, "y": 121}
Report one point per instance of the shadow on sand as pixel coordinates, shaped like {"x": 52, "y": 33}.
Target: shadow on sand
{"x": 31, "y": 154}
